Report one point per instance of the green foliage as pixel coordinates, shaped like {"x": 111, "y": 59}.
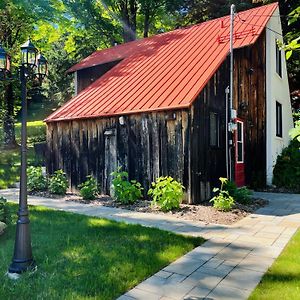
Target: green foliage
{"x": 125, "y": 191}
{"x": 295, "y": 132}
{"x": 58, "y": 183}
{"x": 167, "y": 193}
{"x": 240, "y": 195}
{"x": 5, "y": 215}
{"x": 223, "y": 201}
{"x": 287, "y": 168}
{"x": 89, "y": 188}
{"x": 36, "y": 181}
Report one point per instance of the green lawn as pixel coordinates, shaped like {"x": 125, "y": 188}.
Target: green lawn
{"x": 10, "y": 159}
{"x": 82, "y": 257}
{"x": 282, "y": 281}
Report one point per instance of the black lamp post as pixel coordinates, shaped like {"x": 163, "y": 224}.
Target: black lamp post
{"x": 32, "y": 67}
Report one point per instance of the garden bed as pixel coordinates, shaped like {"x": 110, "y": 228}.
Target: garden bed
{"x": 203, "y": 213}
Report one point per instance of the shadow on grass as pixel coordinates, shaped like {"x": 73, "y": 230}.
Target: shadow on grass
{"x": 84, "y": 257}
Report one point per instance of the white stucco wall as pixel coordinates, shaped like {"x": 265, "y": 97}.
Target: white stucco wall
{"x": 277, "y": 89}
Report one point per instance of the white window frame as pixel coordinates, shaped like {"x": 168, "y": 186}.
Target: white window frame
{"x": 241, "y": 141}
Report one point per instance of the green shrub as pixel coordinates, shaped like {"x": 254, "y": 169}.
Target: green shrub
{"x": 89, "y": 188}
{"x": 240, "y": 195}
{"x": 58, "y": 183}
{"x": 287, "y": 168}
{"x": 222, "y": 201}
{"x": 125, "y": 191}
{"x": 167, "y": 193}
{"x": 36, "y": 180}
{"x": 5, "y": 216}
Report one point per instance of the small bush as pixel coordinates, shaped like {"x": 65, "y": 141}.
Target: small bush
{"x": 125, "y": 191}
{"x": 89, "y": 188}
{"x": 5, "y": 215}
{"x": 240, "y": 195}
{"x": 167, "y": 193}
{"x": 36, "y": 180}
{"x": 58, "y": 183}
{"x": 222, "y": 201}
{"x": 287, "y": 169}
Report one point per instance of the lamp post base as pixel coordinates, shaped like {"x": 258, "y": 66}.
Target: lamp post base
{"x": 19, "y": 267}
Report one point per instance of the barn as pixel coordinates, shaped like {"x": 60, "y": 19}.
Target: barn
{"x": 159, "y": 106}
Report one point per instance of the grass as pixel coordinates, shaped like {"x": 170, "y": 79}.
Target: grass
{"x": 282, "y": 281}
{"x": 82, "y": 257}
{"x": 10, "y": 159}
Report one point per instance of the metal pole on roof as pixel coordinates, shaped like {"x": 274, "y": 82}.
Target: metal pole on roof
{"x": 232, "y": 12}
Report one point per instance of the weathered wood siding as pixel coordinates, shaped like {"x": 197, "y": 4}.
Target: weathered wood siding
{"x": 147, "y": 146}
{"x": 250, "y": 102}
{"x": 208, "y": 163}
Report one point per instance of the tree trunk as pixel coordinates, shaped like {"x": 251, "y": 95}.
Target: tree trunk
{"x": 146, "y": 23}
{"x": 8, "y": 119}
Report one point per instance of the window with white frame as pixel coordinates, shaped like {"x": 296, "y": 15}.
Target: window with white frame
{"x": 278, "y": 60}
{"x": 240, "y": 142}
{"x": 278, "y": 119}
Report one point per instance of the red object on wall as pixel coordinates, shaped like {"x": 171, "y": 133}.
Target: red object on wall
{"x": 239, "y": 154}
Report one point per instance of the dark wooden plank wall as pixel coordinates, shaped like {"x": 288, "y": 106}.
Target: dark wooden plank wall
{"x": 87, "y": 76}
{"x": 250, "y": 102}
{"x": 147, "y": 146}
{"x": 208, "y": 163}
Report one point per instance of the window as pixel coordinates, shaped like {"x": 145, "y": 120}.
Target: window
{"x": 240, "y": 142}
{"x": 278, "y": 61}
{"x": 214, "y": 129}
{"x": 278, "y": 119}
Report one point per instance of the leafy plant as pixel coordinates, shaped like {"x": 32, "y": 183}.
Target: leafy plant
{"x": 89, "y": 188}
{"x": 287, "y": 168}
{"x": 58, "y": 183}
{"x": 240, "y": 195}
{"x": 5, "y": 215}
{"x": 36, "y": 180}
{"x": 222, "y": 201}
{"x": 167, "y": 193}
{"x": 125, "y": 191}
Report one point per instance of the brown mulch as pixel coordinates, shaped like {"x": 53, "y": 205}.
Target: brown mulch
{"x": 201, "y": 212}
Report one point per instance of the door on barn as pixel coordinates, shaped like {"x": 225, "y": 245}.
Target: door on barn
{"x": 239, "y": 154}
{"x": 110, "y": 158}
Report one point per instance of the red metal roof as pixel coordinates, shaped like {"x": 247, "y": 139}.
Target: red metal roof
{"x": 166, "y": 71}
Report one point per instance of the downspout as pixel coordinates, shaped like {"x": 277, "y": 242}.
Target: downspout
{"x": 230, "y": 142}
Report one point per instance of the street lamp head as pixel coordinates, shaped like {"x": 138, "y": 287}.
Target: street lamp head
{"x": 4, "y": 62}
{"x": 28, "y": 52}
{"x": 42, "y": 67}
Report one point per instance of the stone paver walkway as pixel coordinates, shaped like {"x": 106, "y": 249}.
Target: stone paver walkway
{"x": 228, "y": 266}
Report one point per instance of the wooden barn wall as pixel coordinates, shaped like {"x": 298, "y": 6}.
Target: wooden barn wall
{"x": 147, "y": 146}
{"x": 208, "y": 163}
{"x": 87, "y": 76}
{"x": 250, "y": 102}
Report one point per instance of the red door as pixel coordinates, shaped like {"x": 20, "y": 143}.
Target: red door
{"x": 239, "y": 154}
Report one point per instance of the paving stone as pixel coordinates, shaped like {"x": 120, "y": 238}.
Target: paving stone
{"x": 184, "y": 265}
{"x": 268, "y": 251}
{"x": 198, "y": 278}
{"x": 256, "y": 263}
{"x": 223, "y": 292}
{"x": 163, "y": 274}
{"x": 126, "y": 298}
{"x": 197, "y": 293}
{"x": 213, "y": 263}
{"x": 202, "y": 253}
{"x": 230, "y": 253}
{"x": 142, "y": 295}
{"x": 242, "y": 278}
